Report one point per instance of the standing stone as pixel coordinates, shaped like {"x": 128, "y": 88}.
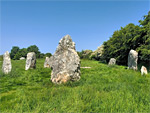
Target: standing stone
{"x": 132, "y": 59}
{"x": 22, "y": 58}
{"x": 97, "y": 53}
{"x": 65, "y": 62}
{"x": 46, "y": 64}
{"x": 112, "y": 61}
{"x": 143, "y": 70}
{"x": 31, "y": 61}
{"x": 6, "y": 68}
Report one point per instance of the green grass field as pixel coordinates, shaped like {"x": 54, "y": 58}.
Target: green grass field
{"x": 100, "y": 89}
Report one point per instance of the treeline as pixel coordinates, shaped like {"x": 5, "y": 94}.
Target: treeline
{"x": 131, "y": 36}
{"x": 17, "y": 53}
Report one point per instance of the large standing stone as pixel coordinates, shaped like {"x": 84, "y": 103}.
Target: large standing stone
{"x": 6, "y": 68}
{"x": 30, "y": 61}
{"x": 46, "y": 64}
{"x": 65, "y": 62}
{"x": 132, "y": 59}
{"x": 112, "y": 61}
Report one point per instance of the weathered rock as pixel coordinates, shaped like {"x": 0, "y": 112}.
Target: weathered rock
{"x": 143, "y": 70}
{"x": 65, "y": 62}
{"x": 132, "y": 59}
{"x": 30, "y": 61}
{"x": 97, "y": 53}
{"x": 86, "y": 67}
{"x": 22, "y": 58}
{"x": 46, "y": 64}
{"x": 86, "y": 54}
{"x": 112, "y": 61}
{"x": 6, "y": 68}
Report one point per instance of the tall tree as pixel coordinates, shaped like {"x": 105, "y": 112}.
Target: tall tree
{"x": 48, "y": 54}
{"x": 14, "y": 51}
{"x": 144, "y": 49}
{"x": 23, "y": 52}
{"x": 132, "y": 36}
{"x": 34, "y": 48}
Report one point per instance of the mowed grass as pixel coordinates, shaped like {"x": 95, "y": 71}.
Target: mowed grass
{"x": 100, "y": 89}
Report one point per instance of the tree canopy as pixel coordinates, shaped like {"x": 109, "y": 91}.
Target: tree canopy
{"x": 14, "y": 51}
{"x": 17, "y": 53}
{"x": 132, "y": 36}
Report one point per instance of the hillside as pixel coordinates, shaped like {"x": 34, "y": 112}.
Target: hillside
{"x": 100, "y": 89}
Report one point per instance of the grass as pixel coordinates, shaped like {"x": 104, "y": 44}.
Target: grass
{"x": 100, "y": 89}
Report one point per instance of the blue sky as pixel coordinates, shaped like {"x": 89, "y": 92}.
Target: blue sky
{"x": 44, "y": 23}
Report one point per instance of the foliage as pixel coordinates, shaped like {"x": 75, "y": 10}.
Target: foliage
{"x": 85, "y": 54}
{"x": 17, "y": 53}
{"x": 21, "y": 53}
{"x": 17, "y": 56}
{"x": 100, "y": 89}
{"x": 14, "y": 51}
{"x": 127, "y": 38}
{"x": 97, "y": 54}
{"x": 144, "y": 49}
{"x": 48, "y": 54}
{"x": 34, "y": 48}
{"x": 42, "y": 55}
{"x": 1, "y": 57}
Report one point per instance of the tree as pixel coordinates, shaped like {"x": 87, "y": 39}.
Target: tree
{"x": 23, "y": 52}
{"x": 121, "y": 43}
{"x": 42, "y": 55}
{"x": 144, "y": 49}
{"x": 14, "y": 51}
{"x": 34, "y": 48}
{"x": 1, "y": 57}
{"x": 132, "y": 36}
{"x": 48, "y": 54}
{"x": 17, "y": 53}
{"x": 17, "y": 56}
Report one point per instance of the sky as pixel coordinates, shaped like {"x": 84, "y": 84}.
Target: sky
{"x": 44, "y": 23}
